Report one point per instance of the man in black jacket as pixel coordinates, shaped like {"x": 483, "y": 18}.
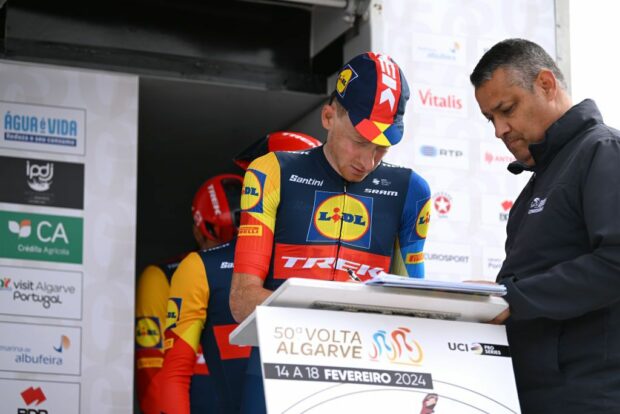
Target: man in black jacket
{"x": 562, "y": 267}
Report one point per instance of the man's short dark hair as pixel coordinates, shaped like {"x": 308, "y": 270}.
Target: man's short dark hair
{"x": 523, "y": 58}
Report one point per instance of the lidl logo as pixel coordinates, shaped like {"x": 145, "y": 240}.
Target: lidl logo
{"x": 346, "y": 76}
{"x": 41, "y": 237}
{"x": 65, "y": 343}
{"x": 252, "y": 193}
{"x": 424, "y": 218}
{"x": 148, "y": 333}
{"x": 173, "y": 312}
{"x": 341, "y": 217}
{"x": 398, "y": 347}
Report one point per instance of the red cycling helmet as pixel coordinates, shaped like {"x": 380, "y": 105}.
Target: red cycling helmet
{"x": 276, "y": 141}
{"x": 215, "y": 208}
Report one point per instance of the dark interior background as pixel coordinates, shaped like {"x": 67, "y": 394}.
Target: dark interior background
{"x": 214, "y": 77}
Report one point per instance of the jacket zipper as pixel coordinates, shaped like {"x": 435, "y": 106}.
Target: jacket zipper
{"x": 344, "y": 200}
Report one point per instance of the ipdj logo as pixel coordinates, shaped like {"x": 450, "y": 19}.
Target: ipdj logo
{"x": 397, "y": 347}
{"x": 32, "y": 396}
{"x": 39, "y": 175}
{"x": 46, "y": 231}
{"x": 65, "y": 343}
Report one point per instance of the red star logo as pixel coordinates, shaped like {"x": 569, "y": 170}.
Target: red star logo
{"x": 442, "y": 204}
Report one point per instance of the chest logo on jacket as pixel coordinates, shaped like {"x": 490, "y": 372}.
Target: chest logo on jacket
{"x": 337, "y": 216}
{"x": 537, "y": 205}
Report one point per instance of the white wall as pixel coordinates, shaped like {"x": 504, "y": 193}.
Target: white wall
{"x": 594, "y": 33}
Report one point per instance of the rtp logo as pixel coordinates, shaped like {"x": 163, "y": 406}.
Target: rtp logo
{"x": 337, "y": 216}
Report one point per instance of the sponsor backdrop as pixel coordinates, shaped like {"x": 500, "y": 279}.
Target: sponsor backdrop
{"x": 68, "y": 151}
{"x": 447, "y": 140}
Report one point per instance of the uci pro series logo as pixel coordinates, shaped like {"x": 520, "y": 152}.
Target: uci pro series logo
{"x": 252, "y": 193}
{"x": 342, "y": 217}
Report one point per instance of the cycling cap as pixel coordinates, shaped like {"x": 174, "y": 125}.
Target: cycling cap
{"x": 215, "y": 208}
{"x": 276, "y": 141}
{"x": 374, "y": 91}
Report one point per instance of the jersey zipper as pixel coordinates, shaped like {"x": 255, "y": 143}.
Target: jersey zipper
{"x": 344, "y": 201}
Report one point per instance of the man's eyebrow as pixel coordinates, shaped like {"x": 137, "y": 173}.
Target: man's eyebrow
{"x": 496, "y": 107}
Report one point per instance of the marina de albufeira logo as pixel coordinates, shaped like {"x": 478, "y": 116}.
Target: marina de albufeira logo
{"x": 52, "y": 129}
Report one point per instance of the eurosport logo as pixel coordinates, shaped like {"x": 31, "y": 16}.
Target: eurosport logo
{"x": 337, "y": 216}
{"x": 40, "y": 292}
{"x": 444, "y": 153}
{"x": 39, "y": 397}
{"x": 42, "y": 128}
{"x": 397, "y": 346}
{"x": 41, "y": 237}
{"x": 252, "y": 193}
{"x": 44, "y": 349}
{"x": 439, "y": 100}
{"x": 42, "y": 182}
{"x": 148, "y": 332}
{"x": 441, "y": 259}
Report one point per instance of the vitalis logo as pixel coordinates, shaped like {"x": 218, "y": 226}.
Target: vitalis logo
{"x": 398, "y": 346}
{"x": 429, "y": 98}
{"x": 39, "y": 175}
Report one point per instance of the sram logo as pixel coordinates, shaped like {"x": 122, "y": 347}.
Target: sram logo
{"x": 291, "y": 262}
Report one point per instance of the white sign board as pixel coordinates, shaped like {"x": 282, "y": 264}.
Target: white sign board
{"x": 317, "y": 361}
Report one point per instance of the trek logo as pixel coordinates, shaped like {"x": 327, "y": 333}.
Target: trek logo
{"x": 148, "y": 333}
{"x": 341, "y": 217}
{"x": 33, "y": 395}
{"x": 388, "y": 79}
{"x": 291, "y": 262}
{"x": 214, "y": 201}
{"x": 65, "y": 343}
{"x": 40, "y": 175}
{"x": 537, "y": 205}
{"x": 41, "y": 237}
{"x": 252, "y": 193}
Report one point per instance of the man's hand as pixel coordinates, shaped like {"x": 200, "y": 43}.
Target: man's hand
{"x": 499, "y": 319}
